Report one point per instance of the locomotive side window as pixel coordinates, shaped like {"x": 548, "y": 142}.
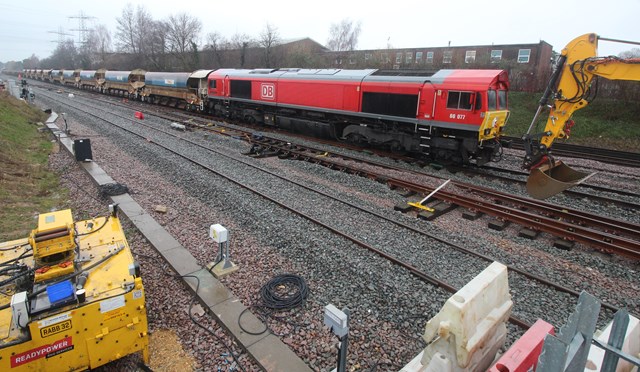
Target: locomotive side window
{"x": 460, "y": 100}
{"x": 241, "y": 89}
{"x": 478, "y": 101}
{"x": 492, "y": 100}
{"x": 212, "y": 84}
{"x": 502, "y": 99}
{"x": 403, "y": 105}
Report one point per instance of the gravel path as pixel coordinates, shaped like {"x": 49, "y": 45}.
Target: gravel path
{"x": 389, "y": 306}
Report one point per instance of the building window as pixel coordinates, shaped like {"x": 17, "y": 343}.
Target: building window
{"x": 523, "y": 55}
{"x": 352, "y": 59}
{"x": 396, "y": 67}
{"x": 496, "y": 56}
{"x": 409, "y": 57}
{"x": 470, "y": 56}
{"x": 429, "y": 57}
{"x": 448, "y": 55}
{"x": 418, "y": 57}
{"x": 385, "y": 58}
{"x": 338, "y": 61}
{"x": 367, "y": 56}
{"x": 399, "y": 57}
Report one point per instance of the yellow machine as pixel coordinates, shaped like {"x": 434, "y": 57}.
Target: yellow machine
{"x": 71, "y": 296}
{"x": 569, "y": 89}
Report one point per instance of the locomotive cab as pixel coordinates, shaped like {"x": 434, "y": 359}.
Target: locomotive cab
{"x": 466, "y": 117}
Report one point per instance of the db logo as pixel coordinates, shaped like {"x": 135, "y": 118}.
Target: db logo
{"x": 268, "y": 91}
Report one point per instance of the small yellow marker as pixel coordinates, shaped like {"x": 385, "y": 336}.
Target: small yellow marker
{"x": 424, "y": 207}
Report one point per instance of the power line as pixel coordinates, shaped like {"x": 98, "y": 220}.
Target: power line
{"x": 61, "y": 34}
{"x": 83, "y": 31}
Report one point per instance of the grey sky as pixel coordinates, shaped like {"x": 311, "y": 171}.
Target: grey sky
{"x": 24, "y": 26}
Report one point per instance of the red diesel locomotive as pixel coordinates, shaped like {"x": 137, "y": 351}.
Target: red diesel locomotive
{"x": 452, "y": 115}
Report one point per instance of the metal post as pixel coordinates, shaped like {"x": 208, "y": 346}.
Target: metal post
{"x": 344, "y": 343}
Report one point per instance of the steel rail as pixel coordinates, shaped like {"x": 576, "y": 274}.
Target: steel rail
{"x": 607, "y": 242}
{"x": 410, "y": 268}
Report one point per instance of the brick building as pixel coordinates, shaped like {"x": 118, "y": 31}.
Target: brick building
{"x": 529, "y": 65}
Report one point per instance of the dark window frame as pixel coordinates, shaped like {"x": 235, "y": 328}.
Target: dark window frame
{"x": 460, "y": 100}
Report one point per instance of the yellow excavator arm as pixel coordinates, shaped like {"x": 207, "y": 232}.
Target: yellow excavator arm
{"x": 569, "y": 90}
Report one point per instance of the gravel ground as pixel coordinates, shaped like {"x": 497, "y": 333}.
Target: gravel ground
{"x": 389, "y": 307}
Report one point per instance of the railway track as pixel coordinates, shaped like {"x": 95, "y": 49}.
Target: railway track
{"x": 201, "y": 122}
{"x": 610, "y": 156}
{"x": 607, "y": 235}
{"x": 194, "y": 118}
{"x": 629, "y": 159}
{"x": 356, "y": 240}
{"x": 567, "y": 225}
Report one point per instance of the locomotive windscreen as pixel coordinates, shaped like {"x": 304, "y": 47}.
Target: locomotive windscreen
{"x": 241, "y": 89}
{"x": 404, "y": 105}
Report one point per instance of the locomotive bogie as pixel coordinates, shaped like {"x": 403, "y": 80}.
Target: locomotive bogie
{"x": 393, "y": 140}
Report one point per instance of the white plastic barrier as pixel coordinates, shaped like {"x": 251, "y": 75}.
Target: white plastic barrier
{"x": 470, "y": 328}
{"x": 630, "y": 346}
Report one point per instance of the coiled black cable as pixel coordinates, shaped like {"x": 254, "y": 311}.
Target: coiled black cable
{"x": 283, "y": 292}
{"x": 295, "y": 292}
{"x": 113, "y": 189}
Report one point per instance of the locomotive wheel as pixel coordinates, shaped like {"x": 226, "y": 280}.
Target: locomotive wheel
{"x": 396, "y": 147}
{"x": 355, "y": 138}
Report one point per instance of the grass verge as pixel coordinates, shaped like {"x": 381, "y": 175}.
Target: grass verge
{"x": 603, "y": 123}
{"x": 27, "y": 187}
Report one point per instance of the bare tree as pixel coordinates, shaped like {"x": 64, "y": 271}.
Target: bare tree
{"x": 98, "y": 45}
{"x": 144, "y": 22}
{"x": 241, "y": 42}
{"x": 64, "y": 56}
{"x": 183, "y": 32}
{"x": 126, "y": 34}
{"x": 216, "y": 43}
{"x": 238, "y": 39}
{"x": 269, "y": 37}
{"x": 633, "y": 53}
{"x": 31, "y": 62}
{"x": 134, "y": 33}
{"x": 157, "y": 46}
{"x": 343, "y": 36}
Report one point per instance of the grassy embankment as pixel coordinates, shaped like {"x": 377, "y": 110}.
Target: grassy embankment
{"x": 603, "y": 123}
{"x": 27, "y": 187}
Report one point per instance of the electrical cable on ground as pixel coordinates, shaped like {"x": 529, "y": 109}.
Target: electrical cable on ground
{"x": 193, "y": 301}
{"x": 112, "y": 189}
{"x": 282, "y": 293}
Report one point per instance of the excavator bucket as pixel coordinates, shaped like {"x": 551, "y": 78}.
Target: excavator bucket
{"x": 549, "y": 180}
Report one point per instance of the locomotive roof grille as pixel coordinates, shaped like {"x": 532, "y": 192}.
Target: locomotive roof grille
{"x": 423, "y": 73}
